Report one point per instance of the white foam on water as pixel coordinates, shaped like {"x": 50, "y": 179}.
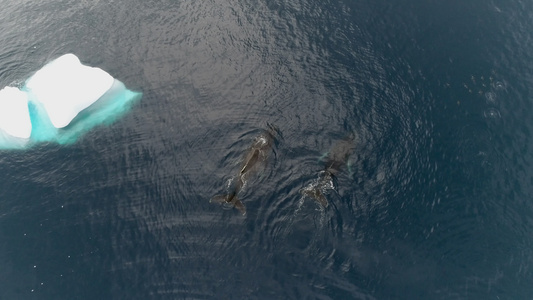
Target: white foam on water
{"x": 14, "y": 113}
{"x": 65, "y": 87}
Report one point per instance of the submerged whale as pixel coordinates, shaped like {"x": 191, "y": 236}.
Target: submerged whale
{"x": 254, "y": 159}
{"x": 334, "y": 161}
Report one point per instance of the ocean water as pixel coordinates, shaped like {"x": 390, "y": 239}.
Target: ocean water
{"x": 436, "y": 202}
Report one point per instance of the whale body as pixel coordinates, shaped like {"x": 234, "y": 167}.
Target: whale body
{"x": 334, "y": 161}
{"x": 255, "y": 159}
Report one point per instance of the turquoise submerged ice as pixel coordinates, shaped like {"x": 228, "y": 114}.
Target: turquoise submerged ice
{"x": 59, "y": 103}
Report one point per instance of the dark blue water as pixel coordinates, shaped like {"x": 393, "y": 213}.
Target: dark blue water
{"x": 436, "y": 202}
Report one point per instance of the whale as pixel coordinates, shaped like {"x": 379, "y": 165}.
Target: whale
{"x": 337, "y": 157}
{"x": 254, "y": 159}
{"x": 334, "y": 161}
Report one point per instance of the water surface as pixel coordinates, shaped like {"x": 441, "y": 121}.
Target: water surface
{"x": 435, "y": 205}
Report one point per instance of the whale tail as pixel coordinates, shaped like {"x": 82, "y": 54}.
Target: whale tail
{"x": 231, "y": 200}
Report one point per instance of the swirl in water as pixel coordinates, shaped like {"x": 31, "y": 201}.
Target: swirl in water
{"x": 492, "y": 113}
{"x": 499, "y": 85}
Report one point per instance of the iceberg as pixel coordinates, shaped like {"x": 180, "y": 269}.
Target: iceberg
{"x": 60, "y": 102}
{"x": 66, "y": 87}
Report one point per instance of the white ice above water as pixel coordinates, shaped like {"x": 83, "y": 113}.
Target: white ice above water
{"x": 14, "y": 114}
{"x": 65, "y": 87}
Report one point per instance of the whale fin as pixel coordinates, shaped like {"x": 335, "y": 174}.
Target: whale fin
{"x": 238, "y": 205}
{"x": 218, "y": 199}
{"x": 323, "y": 157}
